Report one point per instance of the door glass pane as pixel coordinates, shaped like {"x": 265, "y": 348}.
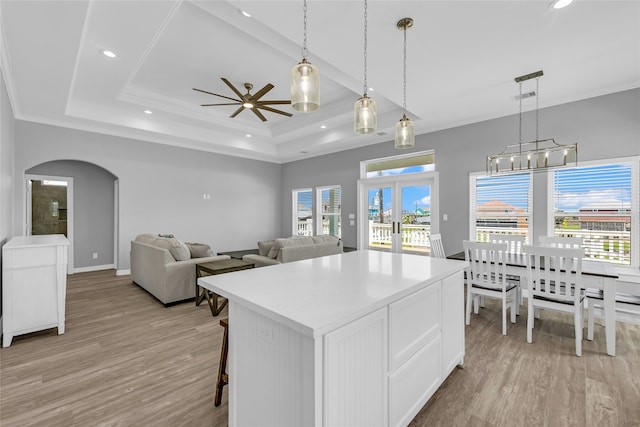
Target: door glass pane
{"x": 416, "y": 219}
{"x": 331, "y": 211}
{"x": 49, "y": 207}
{"x": 380, "y": 219}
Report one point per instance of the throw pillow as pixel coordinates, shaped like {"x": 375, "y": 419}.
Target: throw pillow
{"x": 199, "y": 250}
{"x": 179, "y": 250}
{"x": 264, "y": 247}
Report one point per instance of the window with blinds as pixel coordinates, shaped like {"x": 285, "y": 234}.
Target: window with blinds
{"x": 595, "y": 204}
{"x": 500, "y": 205}
{"x": 302, "y": 212}
{"x": 329, "y": 205}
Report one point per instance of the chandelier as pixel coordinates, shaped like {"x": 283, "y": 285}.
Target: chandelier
{"x": 532, "y": 155}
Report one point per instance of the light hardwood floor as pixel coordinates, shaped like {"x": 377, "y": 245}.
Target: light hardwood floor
{"x": 125, "y": 360}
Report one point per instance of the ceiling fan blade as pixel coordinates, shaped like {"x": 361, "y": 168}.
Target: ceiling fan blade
{"x": 281, "y": 102}
{"x": 215, "y": 105}
{"x": 259, "y": 114}
{"x": 273, "y": 110}
{"x": 238, "y": 111}
{"x": 259, "y": 94}
{"x": 221, "y": 96}
{"x": 233, "y": 88}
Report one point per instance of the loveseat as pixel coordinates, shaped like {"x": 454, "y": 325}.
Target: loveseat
{"x": 294, "y": 248}
{"x": 166, "y": 267}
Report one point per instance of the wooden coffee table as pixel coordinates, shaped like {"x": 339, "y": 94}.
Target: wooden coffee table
{"x": 213, "y": 268}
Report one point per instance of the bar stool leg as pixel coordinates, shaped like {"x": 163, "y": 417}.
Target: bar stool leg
{"x": 223, "y": 377}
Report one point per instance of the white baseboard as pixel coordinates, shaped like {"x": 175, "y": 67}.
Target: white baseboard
{"x": 94, "y": 268}
{"x": 123, "y": 272}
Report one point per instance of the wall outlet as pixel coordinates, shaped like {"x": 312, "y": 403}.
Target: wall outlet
{"x": 445, "y": 217}
{"x": 95, "y": 255}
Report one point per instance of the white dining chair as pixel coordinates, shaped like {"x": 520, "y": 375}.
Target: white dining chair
{"x": 437, "y": 249}
{"x": 554, "y": 277}
{"x": 515, "y": 244}
{"x": 560, "y": 242}
{"x": 487, "y": 277}
{"x": 627, "y": 302}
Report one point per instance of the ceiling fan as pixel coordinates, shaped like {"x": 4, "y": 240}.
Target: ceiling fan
{"x": 249, "y": 101}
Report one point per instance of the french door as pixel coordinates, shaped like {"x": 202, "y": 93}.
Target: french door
{"x": 398, "y": 213}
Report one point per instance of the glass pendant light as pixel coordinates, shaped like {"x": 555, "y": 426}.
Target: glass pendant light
{"x": 365, "y": 116}
{"x": 305, "y": 79}
{"x": 404, "y": 128}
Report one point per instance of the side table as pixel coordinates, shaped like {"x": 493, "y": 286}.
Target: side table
{"x": 213, "y": 268}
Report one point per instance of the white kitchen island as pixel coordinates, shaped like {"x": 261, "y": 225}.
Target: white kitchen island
{"x": 358, "y": 339}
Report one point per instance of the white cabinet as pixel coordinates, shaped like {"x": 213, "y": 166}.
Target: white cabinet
{"x": 34, "y": 284}
{"x": 358, "y": 339}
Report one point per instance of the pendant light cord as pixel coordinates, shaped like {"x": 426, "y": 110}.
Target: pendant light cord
{"x": 365, "y": 48}
{"x": 305, "y": 51}
{"x": 520, "y": 119}
{"x": 404, "y": 74}
{"x": 537, "y": 107}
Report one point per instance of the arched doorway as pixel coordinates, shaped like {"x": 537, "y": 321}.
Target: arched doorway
{"x": 89, "y": 212}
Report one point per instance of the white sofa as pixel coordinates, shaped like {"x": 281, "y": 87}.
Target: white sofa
{"x": 294, "y": 248}
{"x": 166, "y": 267}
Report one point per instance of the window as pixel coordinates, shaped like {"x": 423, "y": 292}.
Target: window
{"x": 399, "y": 165}
{"x": 599, "y": 203}
{"x": 326, "y": 210}
{"x": 328, "y": 202}
{"x": 500, "y": 205}
{"x": 302, "y": 212}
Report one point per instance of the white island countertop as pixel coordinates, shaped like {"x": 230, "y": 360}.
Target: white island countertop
{"x": 317, "y": 295}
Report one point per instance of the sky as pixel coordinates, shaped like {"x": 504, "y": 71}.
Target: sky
{"x": 598, "y": 186}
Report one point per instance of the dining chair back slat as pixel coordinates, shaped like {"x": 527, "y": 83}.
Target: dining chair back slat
{"x": 515, "y": 242}
{"x": 437, "y": 249}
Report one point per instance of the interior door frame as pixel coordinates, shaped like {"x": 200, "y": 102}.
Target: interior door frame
{"x": 27, "y": 224}
{"x": 396, "y": 182}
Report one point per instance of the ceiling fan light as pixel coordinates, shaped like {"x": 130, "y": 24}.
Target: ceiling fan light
{"x": 365, "y": 116}
{"x": 559, "y": 4}
{"x": 404, "y": 133}
{"x": 247, "y": 105}
{"x": 305, "y": 87}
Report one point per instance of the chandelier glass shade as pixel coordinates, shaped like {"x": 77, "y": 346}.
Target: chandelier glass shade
{"x": 532, "y": 155}
{"x": 305, "y": 79}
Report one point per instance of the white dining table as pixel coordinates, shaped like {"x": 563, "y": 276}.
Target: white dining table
{"x": 595, "y": 274}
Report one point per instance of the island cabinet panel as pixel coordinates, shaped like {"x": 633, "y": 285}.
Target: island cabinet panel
{"x": 271, "y": 372}
{"x": 413, "y": 383}
{"x": 354, "y": 372}
{"x": 452, "y": 322}
{"x": 413, "y": 321}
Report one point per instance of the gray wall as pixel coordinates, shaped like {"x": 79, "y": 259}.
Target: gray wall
{"x": 7, "y": 147}
{"x": 605, "y": 127}
{"x": 93, "y": 209}
{"x": 161, "y": 188}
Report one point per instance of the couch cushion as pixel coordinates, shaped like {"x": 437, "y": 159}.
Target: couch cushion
{"x": 178, "y": 250}
{"x": 288, "y": 242}
{"x": 326, "y": 238}
{"x": 264, "y": 247}
{"x": 199, "y": 250}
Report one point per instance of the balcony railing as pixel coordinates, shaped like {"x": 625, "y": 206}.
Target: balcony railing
{"x": 305, "y": 228}
{"x": 415, "y": 237}
{"x": 610, "y": 246}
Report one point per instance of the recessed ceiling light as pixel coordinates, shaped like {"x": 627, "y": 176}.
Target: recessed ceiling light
{"x": 108, "y": 53}
{"x": 559, "y": 4}
{"x": 371, "y": 89}
{"x": 248, "y": 135}
{"x": 323, "y": 127}
{"x": 148, "y": 112}
{"x": 244, "y": 13}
